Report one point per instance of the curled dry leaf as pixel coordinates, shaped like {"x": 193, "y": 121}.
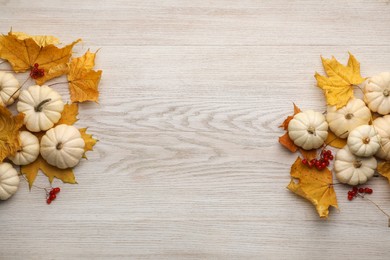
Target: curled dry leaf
{"x": 23, "y": 54}
{"x": 384, "y": 170}
{"x": 314, "y": 185}
{"x": 9, "y": 132}
{"x": 340, "y": 79}
{"x": 83, "y": 80}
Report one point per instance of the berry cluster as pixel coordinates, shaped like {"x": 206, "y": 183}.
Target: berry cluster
{"x": 36, "y": 72}
{"x": 322, "y": 163}
{"x": 52, "y": 195}
{"x": 358, "y": 191}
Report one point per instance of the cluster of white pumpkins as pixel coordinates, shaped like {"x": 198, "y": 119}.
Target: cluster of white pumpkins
{"x": 355, "y": 163}
{"x": 62, "y": 146}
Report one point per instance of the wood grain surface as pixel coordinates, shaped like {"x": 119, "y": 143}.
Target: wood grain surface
{"x": 188, "y": 165}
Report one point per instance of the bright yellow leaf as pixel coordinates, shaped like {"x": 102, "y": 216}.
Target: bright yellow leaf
{"x": 340, "y": 79}
{"x": 89, "y": 141}
{"x": 41, "y": 40}
{"x": 69, "y": 114}
{"x": 314, "y": 185}
{"x": 384, "y": 170}
{"x": 31, "y": 171}
{"x": 23, "y": 54}
{"x": 9, "y": 132}
{"x": 83, "y": 80}
{"x": 335, "y": 141}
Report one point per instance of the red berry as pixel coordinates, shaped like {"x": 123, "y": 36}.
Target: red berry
{"x": 330, "y": 157}
{"x": 329, "y": 152}
{"x": 317, "y": 164}
{"x": 323, "y": 164}
{"x": 350, "y": 197}
{"x": 355, "y": 189}
{"x": 52, "y": 197}
{"x": 369, "y": 191}
{"x": 354, "y": 193}
{"x": 57, "y": 189}
{"x": 361, "y": 190}
{"x": 48, "y": 201}
{"x": 36, "y": 65}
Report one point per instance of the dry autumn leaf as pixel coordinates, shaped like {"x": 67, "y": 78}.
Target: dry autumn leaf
{"x": 340, "y": 79}
{"x": 384, "y": 170}
{"x": 89, "y": 141}
{"x": 31, "y": 172}
{"x": 335, "y": 141}
{"x": 285, "y": 123}
{"x": 69, "y": 114}
{"x": 41, "y": 40}
{"x": 9, "y": 132}
{"x": 313, "y": 185}
{"x": 83, "y": 80}
{"x": 23, "y": 54}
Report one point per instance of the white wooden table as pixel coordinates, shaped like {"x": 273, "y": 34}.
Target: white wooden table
{"x": 188, "y": 165}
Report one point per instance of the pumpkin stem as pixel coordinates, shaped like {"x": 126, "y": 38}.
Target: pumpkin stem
{"x": 59, "y": 146}
{"x": 386, "y": 93}
{"x": 357, "y": 164}
{"x": 348, "y": 116}
{"x": 311, "y": 130}
{"x": 40, "y": 105}
{"x": 366, "y": 140}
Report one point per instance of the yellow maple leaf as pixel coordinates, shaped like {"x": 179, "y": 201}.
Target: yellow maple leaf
{"x": 9, "y": 132}
{"x": 41, "y": 40}
{"x": 83, "y": 80}
{"x": 314, "y": 185}
{"x": 340, "y": 79}
{"x": 31, "y": 171}
{"x": 89, "y": 141}
{"x": 23, "y": 54}
{"x": 335, "y": 141}
{"x": 69, "y": 114}
{"x": 384, "y": 169}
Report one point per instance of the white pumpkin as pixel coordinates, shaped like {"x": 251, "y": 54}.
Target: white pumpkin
{"x": 377, "y": 93}
{"x": 62, "y": 146}
{"x": 308, "y": 129}
{"x": 351, "y": 169}
{"x": 29, "y": 150}
{"x": 9, "y": 88}
{"x": 342, "y": 121}
{"x": 9, "y": 181}
{"x": 364, "y": 141}
{"x": 42, "y": 107}
{"x": 382, "y": 127}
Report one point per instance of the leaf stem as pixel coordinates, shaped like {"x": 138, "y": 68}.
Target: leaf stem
{"x": 58, "y": 83}
{"x": 16, "y": 91}
{"x": 376, "y": 205}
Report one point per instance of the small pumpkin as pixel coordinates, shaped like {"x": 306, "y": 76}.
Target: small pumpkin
{"x": 308, "y": 129}
{"x": 62, "y": 146}
{"x": 382, "y": 126}
{"x": 351, "y": 169}
{"x": 42, "y": 107}
{"x": 342, "y": 121}
{"x": 9, "y": 88}
{"x": 377, "y": 93}
{"x": 29, "y": 150}
{"x": 9, "y": 181}
{"x": 364, "y": 141}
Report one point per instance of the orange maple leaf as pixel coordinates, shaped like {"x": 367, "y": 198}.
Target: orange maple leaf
{"x": 313, "y": 185}
{"x": 22, "y": 54}
{"x": 9, "y": 132}
{"x": 83, "y": 80}
{"x": 338, "y": 85}
{"x": 335, "y": 141}
{"x": 69, "y": 114}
